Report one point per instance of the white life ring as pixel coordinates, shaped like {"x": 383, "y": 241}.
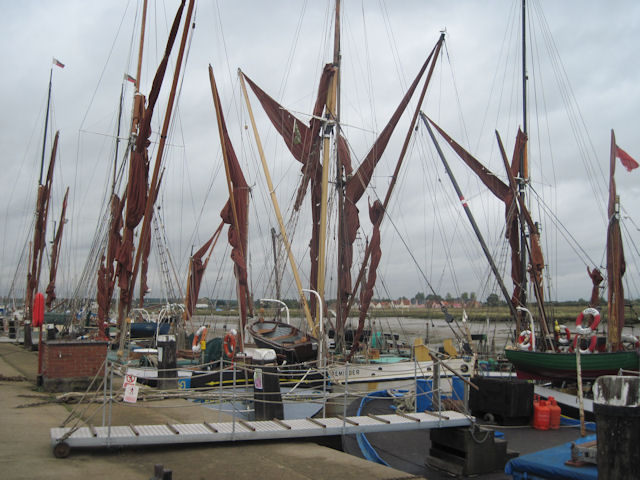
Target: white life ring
{"x": 564, "y": 335}
{"x": 198, "y": 338}
{"x": 594, "y": 325}
{"x": 525, "y": 340}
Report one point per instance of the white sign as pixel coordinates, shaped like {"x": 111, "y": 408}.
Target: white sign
{"x": 129, "y": 380}
{"x": 131, "y": 393}
{"x": 257, "y": 378}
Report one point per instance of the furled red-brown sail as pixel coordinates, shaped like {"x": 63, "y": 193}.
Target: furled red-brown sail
{"x": 596, "y": 280}
{"x": 236, "y": 215}
{"x": 138, "y": 176}
{"x": 106, "y": 272}
{"x": 146, "y": 250}
{"x": 616, "y": 265}
{"x": 55, "y": 256}
{"x": 196, "y": 271}
{"x": 357, "y": 184}
{"x": 42, "y": 211}
{"x": 304, "y": 143}
{"x": 506, "y": 194}
{"x": 375, "y": 215}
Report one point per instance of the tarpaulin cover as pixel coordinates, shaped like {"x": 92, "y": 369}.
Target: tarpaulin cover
{"x": 550, "y": 463}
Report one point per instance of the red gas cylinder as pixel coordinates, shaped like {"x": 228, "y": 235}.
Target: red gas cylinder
{"x": 554, "y": 414}
{"x": 541, "y": 414}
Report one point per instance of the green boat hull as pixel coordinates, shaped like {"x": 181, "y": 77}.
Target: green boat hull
{"x": 562, "y": 366}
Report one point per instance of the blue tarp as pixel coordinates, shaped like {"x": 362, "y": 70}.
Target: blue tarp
{"x": 550, "y": 464}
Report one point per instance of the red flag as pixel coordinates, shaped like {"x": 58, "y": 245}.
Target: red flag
{"x": 129, "y": 78}
{"x": 628, "y": 162}
{"x": 58, "y": 63}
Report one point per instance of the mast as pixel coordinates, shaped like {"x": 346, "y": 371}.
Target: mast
{"x": 523, "y": 166}
{"x": 330, "y": 121}
{"x": 340, "y": 185}
{"x": 46, "y": 125}
{"x": 615, "y": 260}
{"x": 276, "y": 272}
{"x": 141, "y": 47}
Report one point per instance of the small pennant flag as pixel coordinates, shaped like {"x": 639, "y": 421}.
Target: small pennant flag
{"x": 58, "y": 63}
{"x": 626, "y": 159}
{"x": 129, "y": 78}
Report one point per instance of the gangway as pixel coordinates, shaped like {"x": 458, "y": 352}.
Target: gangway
{"x": 64, "y": 439}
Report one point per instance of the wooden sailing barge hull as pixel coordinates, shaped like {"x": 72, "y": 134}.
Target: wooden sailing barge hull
{"x": 562, "y": 366}
{"x": 287, "y": 341}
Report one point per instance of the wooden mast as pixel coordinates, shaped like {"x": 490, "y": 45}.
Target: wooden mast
{"x": 276, "y": 207}
{"x": 330, "y": 121}
{"x": 340, "y": 185}
{"x": 615, "y": 260}
{"x": 141, "y": 45}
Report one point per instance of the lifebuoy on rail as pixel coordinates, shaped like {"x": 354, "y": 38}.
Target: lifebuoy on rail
{"x": 630, "y": 342}
{"x": 199, "y": 340}
{"x": 564, "y": 335}
{"x": 589, "y": 349}
{"x": 230, "y": 345}
{"x": 594, "y": 324}
{"x": 525, "y": 340}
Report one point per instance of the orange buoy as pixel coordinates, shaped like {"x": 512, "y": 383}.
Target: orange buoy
{"x": 541, "y": 414}
{"x": 37, "y": 315}
{"x": 554, "y": 414}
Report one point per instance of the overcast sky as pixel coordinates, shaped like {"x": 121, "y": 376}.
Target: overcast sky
{"x": 583, "y": 80}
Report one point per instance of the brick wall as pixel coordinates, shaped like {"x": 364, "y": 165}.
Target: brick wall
{"x": 72, "y": 358}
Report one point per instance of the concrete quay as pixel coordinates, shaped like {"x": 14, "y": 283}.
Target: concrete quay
{"x": 28, "y": 414}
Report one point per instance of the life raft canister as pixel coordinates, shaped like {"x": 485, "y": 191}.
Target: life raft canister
{"x": 199, "y": 340}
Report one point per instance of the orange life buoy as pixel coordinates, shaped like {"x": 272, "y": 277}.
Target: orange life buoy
{"x": 589, "y": 349}
{"x": 525, "y": 340}
{"x": 594, "y": 325}
{"x": 198, "y": 339}
{"x": 229, "y": 345}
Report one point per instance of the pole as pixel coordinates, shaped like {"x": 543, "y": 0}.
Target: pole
{"x": 523, "y": 173}
{"x": 321, "y": 339}
{"x": 583, "y": 430}
{"x": 276, "y": 273}
{"x": 46, "y": 125}
{"x": 276, "y": 207}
